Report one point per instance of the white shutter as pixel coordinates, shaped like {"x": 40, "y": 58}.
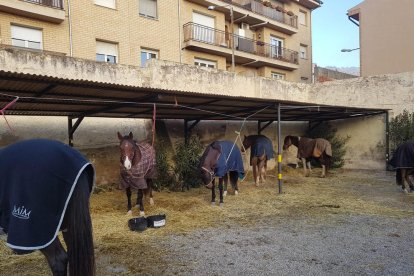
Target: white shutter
{"x": 148, "y": 8}
{"x": 203, "y": 20}
{"x": 28, "y": 35}
{"x": 106, "y": 3}
{"x": 109, "y": 49}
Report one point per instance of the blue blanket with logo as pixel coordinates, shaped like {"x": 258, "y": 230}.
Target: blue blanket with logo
{"x": 230, "y": 159}
{"x": 37, "y": 178}
{"x": 261, "y": 145}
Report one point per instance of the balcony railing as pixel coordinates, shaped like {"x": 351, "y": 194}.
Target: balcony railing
{"x": 57, "y": 4}
{"x": 200, "y": 33}
{"x": 259, "y": 8}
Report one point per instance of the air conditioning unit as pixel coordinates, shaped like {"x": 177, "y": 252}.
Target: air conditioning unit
{"x": 244, "y": 26}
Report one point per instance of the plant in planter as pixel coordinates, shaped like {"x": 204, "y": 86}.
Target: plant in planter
{"x": 290, "y": 13}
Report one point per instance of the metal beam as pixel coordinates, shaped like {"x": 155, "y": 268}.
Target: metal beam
{"x": 72, "y": 128}
{"x": 260, "y": 128}
{"x": 279, "y": 148}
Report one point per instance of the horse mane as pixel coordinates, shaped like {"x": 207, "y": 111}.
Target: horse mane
{"x": 80, "y": 239}
{"x": 213, "y": 146}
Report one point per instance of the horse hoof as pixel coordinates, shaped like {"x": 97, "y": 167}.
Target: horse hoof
{"x": 213, "y": 203}
{"x": 323, "y": 176}
{"x": 141, "y": 213}
{"x": 236, "y": 192}
{"x": 224, "y": 193}
{"x": 151, "y": 201}
{"x": 221, "y": 204}
{"x": 129, "y": 213}
{"x": 137, "y": 206}
{"x": 256, "y": 184}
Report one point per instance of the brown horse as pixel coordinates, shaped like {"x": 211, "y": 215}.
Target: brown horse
{"x": 318, "y": 148}
{"x": 221, "y": 159}
{"x": 44, "y": 188}
{"x": 261, "y": 151}
{"x": 137, "y": 169}
{"x": 403, "y": 161}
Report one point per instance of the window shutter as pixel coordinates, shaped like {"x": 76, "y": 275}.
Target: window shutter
{"x": 106, "y": 48}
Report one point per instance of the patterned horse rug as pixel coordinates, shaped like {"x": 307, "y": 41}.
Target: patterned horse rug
{"x": 313, "y": 147}
{"x": 262, "y": 145}
{"x": 37, "y": 178}
{"x": 229, "y": 160}
{"x": 403, "y": 156}
{"x": 144, "y": 169}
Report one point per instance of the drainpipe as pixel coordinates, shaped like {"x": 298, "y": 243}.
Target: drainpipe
{"x": 240, "y": 18}
{"x": 179, "y": 31}
{"x": 247, "y": 63}
{"x": 260, "y": 24}
{"x": 70, "y": 30}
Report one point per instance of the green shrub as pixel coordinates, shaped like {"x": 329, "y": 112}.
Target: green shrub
{"x": 401, "y": 129}
{"x": 186, "y": 161}
{"x": 326, "y": 131}
{"x": 165, "y": 177}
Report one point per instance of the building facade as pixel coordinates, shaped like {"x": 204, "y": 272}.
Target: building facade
{"x": 386, "y": 36}
{"x": 254, "y": 38}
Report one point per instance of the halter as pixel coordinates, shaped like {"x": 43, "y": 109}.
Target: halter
{"x": 211, "y": 173}
{"x": 134, "y": 147}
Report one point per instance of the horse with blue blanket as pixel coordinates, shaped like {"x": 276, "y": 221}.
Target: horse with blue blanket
{"x": 261, "y": 151}
{"x": 403, "y": 162}
{"x": 44, "y": 188}
{"x": 221, "y": 159}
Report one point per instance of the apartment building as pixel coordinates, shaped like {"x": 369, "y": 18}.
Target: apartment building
{"x": 256, "y": 38}
{"x": 386, "y": 36}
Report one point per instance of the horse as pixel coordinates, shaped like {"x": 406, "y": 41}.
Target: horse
{"x": 221, "y": 159}
{"x": 261, "y": 151}
{"x": 403, "y": 162}
{"x": 308, "y": 148}
{"x": 45, "y": 187}
{"x": 137, "y": 169}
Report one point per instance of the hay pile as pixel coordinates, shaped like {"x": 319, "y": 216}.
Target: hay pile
{"x": 120, "y": 251}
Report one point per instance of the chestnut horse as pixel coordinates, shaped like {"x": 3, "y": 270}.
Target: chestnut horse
{"x": 137, "y": 169}
{"x": 261, "y": 151}
{"x": 318, "y": 148}
{"x": 44, "y": 188}
{"x": 221, "y": 159}
{"x": 403, "y": 161}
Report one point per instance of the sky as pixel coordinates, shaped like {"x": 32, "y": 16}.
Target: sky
{"x": 333, "y": 31}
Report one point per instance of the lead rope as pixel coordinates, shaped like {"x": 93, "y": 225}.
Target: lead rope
{"x": 154, "y": 114}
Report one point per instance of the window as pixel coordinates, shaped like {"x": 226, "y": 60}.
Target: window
{"x": 106, "y": 3}
{"x": 148, "y": 8}
{"x": 26, "y": 37}
{"x": 302, "y": 18}
{"x": 277, "y": 76}
{"x": 303, "y": 51}
{"x": 276, "y": 47}
{"x": 106, "y": 52}
{"x": 205, "y": 63}
{"x": 146, "y": 55}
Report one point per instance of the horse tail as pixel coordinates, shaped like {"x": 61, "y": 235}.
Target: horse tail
{"x": 398, "y": 177}
{"x": 80, "y": 241}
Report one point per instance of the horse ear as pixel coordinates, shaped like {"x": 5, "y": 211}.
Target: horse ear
{"x": 120, "y": 136}
{"x": 130, "y": 135}
{"x": 216, "y": 146}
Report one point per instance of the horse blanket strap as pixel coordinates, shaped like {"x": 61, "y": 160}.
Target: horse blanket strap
{"x": 403, "y": 156}
{"x": 262, "y": 145}
{"x": 233, "y": 157}
{"x": 136, "y": 177}
{"x": 313, "y": 147}
{"x": 37, "y": 179}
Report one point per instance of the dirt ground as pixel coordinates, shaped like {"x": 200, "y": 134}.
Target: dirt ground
{"x": 353, "y": 222}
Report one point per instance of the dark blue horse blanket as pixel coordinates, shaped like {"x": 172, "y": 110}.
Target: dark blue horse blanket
{"x": 261, "y": 145}
{"x": 229, "y": 160}
{"x": 403, "y": 156}
{"x": 37, "y": 178}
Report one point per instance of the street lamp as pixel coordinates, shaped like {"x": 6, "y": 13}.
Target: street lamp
{"x": 349, "y": 50}
{"x": 232, "y": 32}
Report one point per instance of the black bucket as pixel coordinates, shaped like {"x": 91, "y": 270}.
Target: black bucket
{"x": 138, "y": 224}
{"x": 156, "y": 221}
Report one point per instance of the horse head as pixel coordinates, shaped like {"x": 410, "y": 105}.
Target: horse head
{"x": 208, "y": 163}
{"x": 290, "y": 140}
{"x": 128, "y": 148}
{"x": 247, "y": 143}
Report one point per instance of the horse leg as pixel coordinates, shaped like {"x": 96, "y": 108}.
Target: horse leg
{"x": 262, "y": 177}
{"x": 213, "y": 193}
{"x": 128, "y": 193}
{"x": 226, "y": 180}
{"x": 305, "y": 172}
{"x": 57, "y": 257}
{"x": 141, "y": 202}
{"x": 233, "y": 180}
{"x": 265, "y": 169}
{"x": 254, "y": 165}
{"x": 221, "y": 191}
{"x": 308, "y": 163}
{"x": 150, "y": 184}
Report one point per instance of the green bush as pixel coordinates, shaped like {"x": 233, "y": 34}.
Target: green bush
{"x": 186, "y": 162}
{"x": 401, "y": 129}
{"x": 165, "y": 177}
{"x": 326, "y": 131}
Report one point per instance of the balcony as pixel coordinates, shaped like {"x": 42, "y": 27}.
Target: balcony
{"x": 247, "y": 52}
{"x": 46, "y": 10}
{"x": 255, "y": 14}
